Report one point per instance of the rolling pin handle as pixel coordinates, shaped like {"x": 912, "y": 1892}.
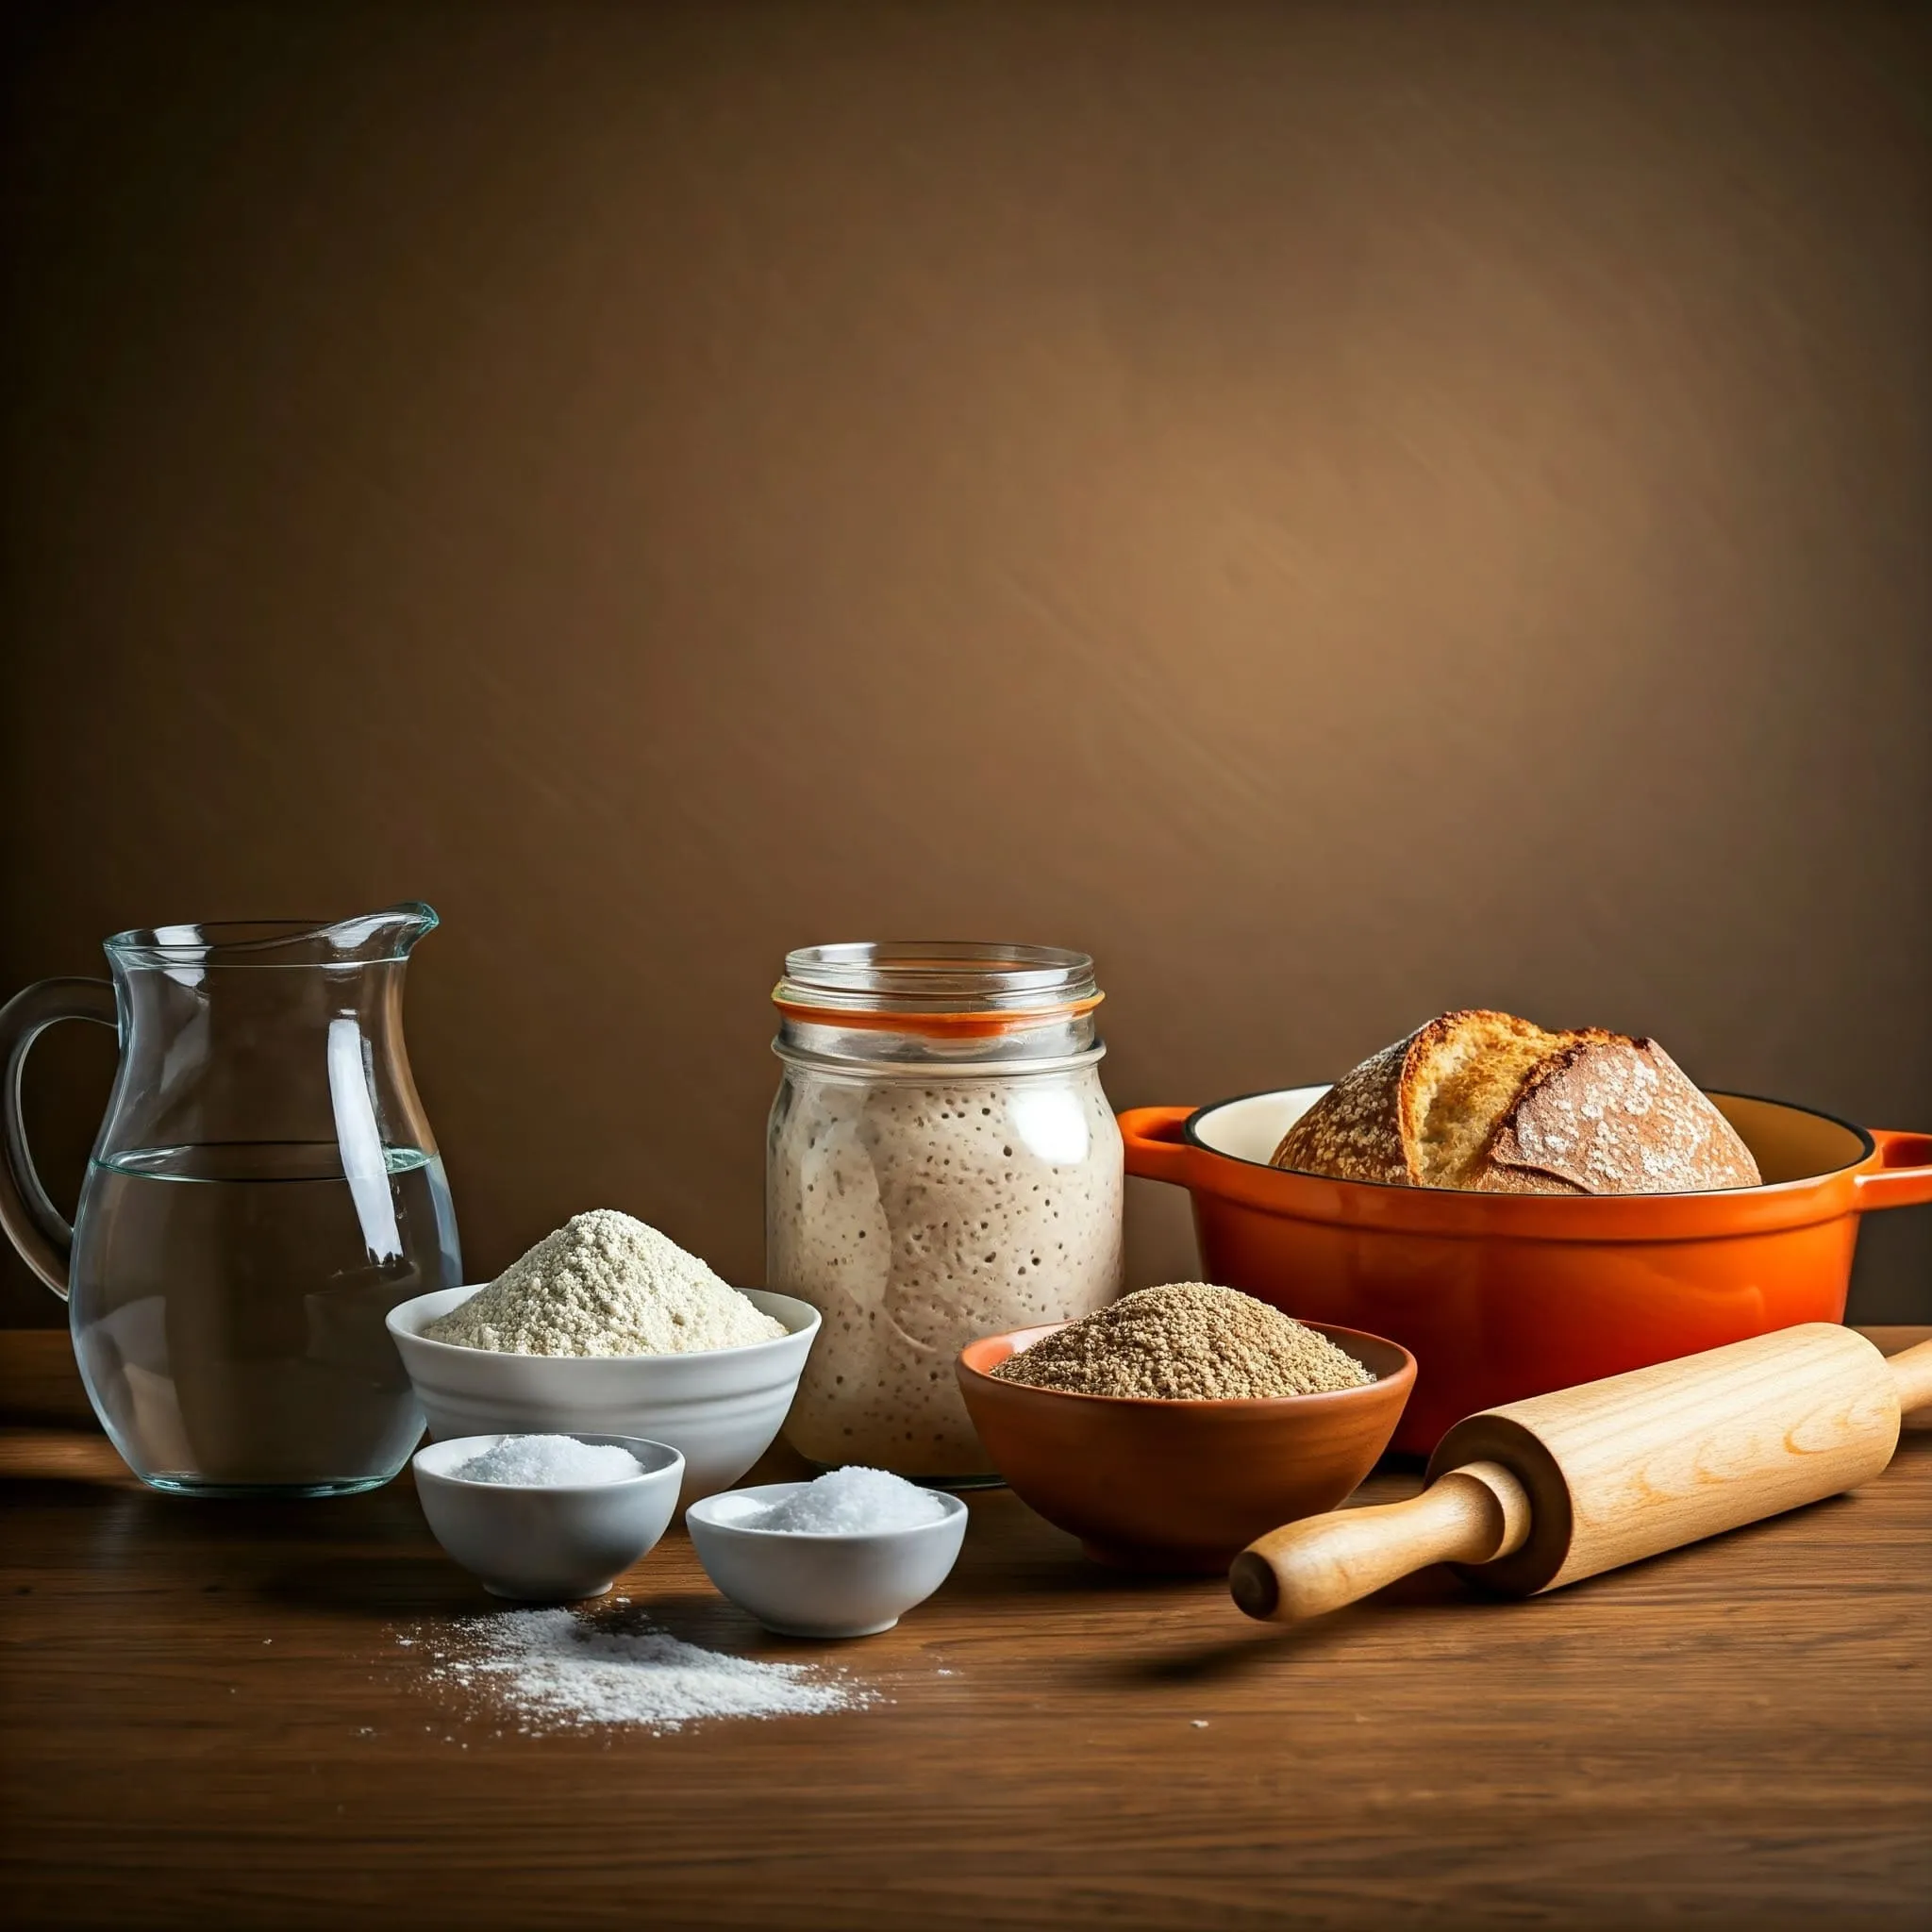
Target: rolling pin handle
{"x": 1473, "y": 1514}
{"x": 1912, "y": 1369}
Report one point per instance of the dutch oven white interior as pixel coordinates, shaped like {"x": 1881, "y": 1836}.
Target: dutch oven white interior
{"x": 1789, "y": 1143}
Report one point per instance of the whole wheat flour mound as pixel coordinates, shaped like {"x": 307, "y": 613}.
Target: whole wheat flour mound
{"x": 1187, "y": 1341}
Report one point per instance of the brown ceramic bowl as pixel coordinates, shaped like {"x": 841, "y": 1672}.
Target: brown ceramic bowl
{"x": 1181, "y": 1486}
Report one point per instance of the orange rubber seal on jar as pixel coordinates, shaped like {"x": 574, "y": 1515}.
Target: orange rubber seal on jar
{"x": 941, "y": 1026}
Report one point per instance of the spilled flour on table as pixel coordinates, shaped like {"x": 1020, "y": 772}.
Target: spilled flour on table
{"x": 556, "y": 1669}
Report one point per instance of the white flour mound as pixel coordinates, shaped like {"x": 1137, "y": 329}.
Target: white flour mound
{"x": 606, "y": 1284}
{"x": 554, "y": 1669}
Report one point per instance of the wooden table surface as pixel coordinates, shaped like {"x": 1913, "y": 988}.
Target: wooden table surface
{"x": 208, "y": 1717}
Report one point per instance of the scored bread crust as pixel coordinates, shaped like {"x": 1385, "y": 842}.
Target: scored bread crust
{"x": 1606, "y": 1114}
{"x": 1354, "y": 1131}
{"x": 1369, "y": 1127}
{"x": 1485, "y": 1101}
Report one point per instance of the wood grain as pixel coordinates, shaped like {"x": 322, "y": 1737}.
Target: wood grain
{"x": 206, "y": 1717}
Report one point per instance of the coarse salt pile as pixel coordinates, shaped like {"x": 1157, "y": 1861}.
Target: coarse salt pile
{"x": 547, "y": 1463}
{"x": 853, "y": 1501}
{"x": 554, "y": 1669}
{"x": 606, "y": 1284}
{"x": 1187, "y": 1341}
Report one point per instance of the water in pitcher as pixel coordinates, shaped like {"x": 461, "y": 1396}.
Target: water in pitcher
{"x": 228, "y": 1304}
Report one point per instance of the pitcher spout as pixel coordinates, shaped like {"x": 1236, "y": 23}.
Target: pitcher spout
{"x": 391, "y": 933}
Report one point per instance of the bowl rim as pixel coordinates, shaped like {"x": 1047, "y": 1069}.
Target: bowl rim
{"x": 1868, "y": 1147}
{"x": 671, "y": 1471}
{"x": 818, "y": 1538}
{"x": 399, "y": 1321}
{"x": 1401, "y": 1378}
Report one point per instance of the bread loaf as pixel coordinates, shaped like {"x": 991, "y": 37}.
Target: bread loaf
{"x": 1489, "y": 1102}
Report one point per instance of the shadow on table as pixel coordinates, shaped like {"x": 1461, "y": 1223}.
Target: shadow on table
{"x": 1248, "y": 1645}
{"x": 379, "y": 1583}
{"x": 1011, "y": 1552}
{"x": 1016, "y": 1554}
{"x": 413, "y": 1578}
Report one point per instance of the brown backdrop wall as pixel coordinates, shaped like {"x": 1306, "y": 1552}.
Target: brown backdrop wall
{"x": 1340, "y": 511}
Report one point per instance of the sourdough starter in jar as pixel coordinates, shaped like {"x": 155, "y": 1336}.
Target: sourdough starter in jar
{"x": 926, "y": 1185}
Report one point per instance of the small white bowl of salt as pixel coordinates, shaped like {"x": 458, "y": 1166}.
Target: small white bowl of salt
{"x": 548, "y": 1519}
{"x": 845, "y": 1556}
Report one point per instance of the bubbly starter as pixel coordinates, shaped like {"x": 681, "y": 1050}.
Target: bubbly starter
{"x": 917, "y": 1213}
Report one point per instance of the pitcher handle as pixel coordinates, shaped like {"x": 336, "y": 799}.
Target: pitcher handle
{"x": 33, "y": 1223}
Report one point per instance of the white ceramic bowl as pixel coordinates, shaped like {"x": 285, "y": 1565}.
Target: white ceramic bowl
{"x": 802, "y": 1585}
{"x": 549, "y": 1543}
{"x": 718, "y": 1407}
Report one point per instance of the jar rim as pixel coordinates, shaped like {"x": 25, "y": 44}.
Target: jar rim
{"x": 935, "y": 978}
{"x": 858, "y": 1070}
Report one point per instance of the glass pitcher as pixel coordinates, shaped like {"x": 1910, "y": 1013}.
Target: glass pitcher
{"x": 263, "y": 1191}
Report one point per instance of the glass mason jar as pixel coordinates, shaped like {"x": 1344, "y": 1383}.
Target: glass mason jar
{"x": 941, "y": 1164}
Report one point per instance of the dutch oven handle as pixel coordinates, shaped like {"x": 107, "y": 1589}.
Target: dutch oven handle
{"x": 1152, "y": 1138}
{"x": 1903, "y": 1178}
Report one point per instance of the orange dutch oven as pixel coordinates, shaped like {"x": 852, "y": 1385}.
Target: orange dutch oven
{"x": 1501, "y": 1296}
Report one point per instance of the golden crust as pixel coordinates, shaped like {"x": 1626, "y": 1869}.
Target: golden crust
{"x": 1486, "y": 1101}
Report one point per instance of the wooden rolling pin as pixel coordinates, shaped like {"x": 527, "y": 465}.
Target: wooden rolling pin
{"x": 1539, "y": 1494}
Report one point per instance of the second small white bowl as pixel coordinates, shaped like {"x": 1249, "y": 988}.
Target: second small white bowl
{"x": 718, "y": 1407}
{"x": 847, "y": 1585}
